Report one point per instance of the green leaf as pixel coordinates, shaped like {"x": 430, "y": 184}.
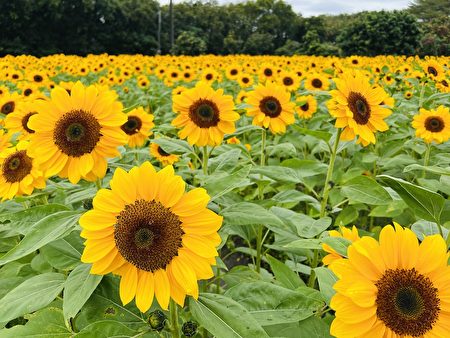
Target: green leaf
{"x": 78, "y": 288}
{"x": 246, "y": 213}
{"x": 348, "y": 215}
{"x": 278, "y": 173}
{"x": 363, "y": 189}
{"x": 226, "y": 161}
{"x": 284, "y": 274}
{"x": 424, "y": 228}
{"x": 218, "y": 185}
{"x": 271, "y": 304}
{"x": 33, "y": 294}
{"x": 321, "y": 135}
{"x": 108, "y": 329}
{"x": 65, "y": 253}
{"x": 306, "y": 168}
{"x": 424, "y": 203}
{"x": 48, "y": 229}
{"x": 174, "y": 146}
{"x": 430, "y": 169}
{"x": 46, "y": 323}
{"x": 224, "y": 317}
{"x": 306, "y": 226}
{"x": 326, "y": 279}
{"x": 239, "y": 274}
{"x": 304, "y": 244}
{"x": 312, "y": 327}
{"x": 339, "y": 244}
{"x": 24, "y": 220}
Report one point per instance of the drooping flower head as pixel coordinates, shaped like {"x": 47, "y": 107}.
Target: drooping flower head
{"x": 271, "y": 107}
{"x": 157, "y": 237}
{"x": 433, "y": 125}
{"x": 358, "y": 108}
{"x": 205, "y": 115}
{"x": 76, "y": 133}
{"x": 394, "y": 287}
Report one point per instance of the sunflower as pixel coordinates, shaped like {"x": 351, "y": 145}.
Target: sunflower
{"x": 162, "y": 156}
{"x": 352, "y": 235}
{"x": 306, "y": 106}
{"x": 209, "y": 76}
{"x": 245, "y": 81}
{"x": 233, "y": 140}
{"x": 75, "y": 134}
{"x": 271, "y": 107}
{"x": 17, "y": 122}
{"x": 408, "y": 94}
{"x": 19, "y": 174}
{"x": 158, "y": 238}
{"x": 266, "y": 72}
{"x": 232, "y": 72}
{"x": 357, "y": 107}
{"x": 4, "y": 140}
{"x": 393, "y": 288}
{"x": 205, "y": 115}
{"x": 38, "y": 77}
{"x": 241, "y": 97}
{"x": 138, "y": 127}
{"x": 433, "y": 69}
{"x": 9, "y": 103}
{"x": 433, "y": 125}
{"x": 316, "y": 81}
{"x": 289, "y": 80}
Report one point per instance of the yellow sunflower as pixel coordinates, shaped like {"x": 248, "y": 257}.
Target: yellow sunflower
{"x": 357, "y": 107}
{"x": 316, "y": 81}
{"x": 9, "y": 102}
{"x": 162, "y": 156}
{"x": 17, "y": 122}
{"x": 433, "y": 125}
{"x": 205, "y": 115}
{"x": 138, "y": 127}
{"x": 74, "y": 135}
{"x": 158, "y": 238}
{"x": 393, "y": 288}
{"x": 271, "y": 107}
{"x": 289, "y": 80}
{"x": 19, "y": 174}
{"x": 4, "y": 140}
{"x": 306, "y": 106}
{"x": 350, "y": 234}
{"x": 433, "y": 69}
{"x": 209, "y": 76}
{"x": 245, "y": 80}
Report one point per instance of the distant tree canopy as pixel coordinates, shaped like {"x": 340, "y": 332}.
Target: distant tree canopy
{"x": 42, "y": 27}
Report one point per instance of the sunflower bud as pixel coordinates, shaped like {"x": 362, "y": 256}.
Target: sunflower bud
{"x": 157, "y": 320}
{"x": 189, "y": 329}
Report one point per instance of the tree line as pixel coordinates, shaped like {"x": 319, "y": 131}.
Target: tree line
{"x": 42, "y": 27}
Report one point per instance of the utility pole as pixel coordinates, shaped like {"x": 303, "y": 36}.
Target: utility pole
{"x": 171, "y": 25}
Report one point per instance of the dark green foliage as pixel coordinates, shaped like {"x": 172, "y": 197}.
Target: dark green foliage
{"x": 378, "y": 33}
{"x": 436, "y": 37}
{"x": 430, "y": 9}
{"x": 188, "y": 43}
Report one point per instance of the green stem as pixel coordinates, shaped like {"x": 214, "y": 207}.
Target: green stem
{"x": 326, "y": 189}
{"x": 426, "y": 160}
{"x": 205, "y": 160}
{"x": 98, "y": 183}
{"x": 174, "y": 326}
{"x": 422, "y": 91}
{"x": 259, "y": 234}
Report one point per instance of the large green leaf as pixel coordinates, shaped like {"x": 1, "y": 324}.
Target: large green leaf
{"x": 226, "y": 161}
{"x": 279, "y": 174}
{"x": 78, "y": 288}
{"x": 363, "y": 189}
{"x": 45, "y": 323}
{"x": 312, "y": 327}
{"x": 321, "y": 135}
{"x": 224, "y": 317}
{"x": 273, "y": 304}
{"x": 284, "y": 274}
{"x": 246, "y": 213}
{"x": 431, "y": 169}
{"x": 110, "y": 329}
{"x": 65, "y": 253}
{"x": 174, "y": 146}
{"x": 33, "y": 294}
{"x": 306, "y": 227}
{"x": 326, "y": 279}
{"x": 48, "y": 229}
{"x": 219, "y": 184}
{"x": 425, "y": 203}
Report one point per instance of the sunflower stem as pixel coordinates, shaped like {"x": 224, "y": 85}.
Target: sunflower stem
{"x": 326, "y": 188}
{"x": 259, "y": 233}
{"x": 205, "y": 160}
{"x": 98, "y": 183}
{"x": 426, "y": 159}
{"x": 174, "y": 325}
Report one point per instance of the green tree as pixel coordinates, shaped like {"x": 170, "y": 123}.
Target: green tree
{"x": 259, "y": 43}
{"x": 430, "y": 9}
{"x": 436, "y": 37}
{"x": 187, "y": 43}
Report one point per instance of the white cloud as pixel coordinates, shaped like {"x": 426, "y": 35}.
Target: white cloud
{"x": 317, "y": 7}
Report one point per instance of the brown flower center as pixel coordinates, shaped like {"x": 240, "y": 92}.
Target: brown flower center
{"x": 16, "y": 166}
{"x": 38, "y": 78}
{"x": 316, "y": 83}
{"x": 204, "y": 113}
{"x": 233, "y": 72}
{"x": 162, "y": 152}
{"x": 209, "y": 76}
{"x": 305, "y": 107}
{"x": 287, "y": 81}
{"x": 8, "y": 107}
{"x": 435, "y": 124}
{"x": 148, "y": 235}
{"x": 268, "y": 72}
{"x": 77, "y": 133}
{"x": 432, "y": 71}
{"x": 25, "y": 120}
{"x": 27, "y": 92}
{"x": 407, "y": 302}
{"x": 132, "y": 126}
{"x": 245, "y": 80}
{"x": 270, "y": 106}
{"x": 359, "y": 107}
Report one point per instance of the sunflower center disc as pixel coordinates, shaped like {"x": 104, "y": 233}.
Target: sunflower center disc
{"x": 359, "y": 107}
{"x": 316, "y": 83}
{"x": 270, "y": 106}
{"x": 77, "y": 133}
{"x": 27, "y": 92}
{"x": 162, "y": 152}
{"x": 434, "y": 124}
{"x": 432, "y": 71}
{"x": 17, "y": 166}
{"x": 209, "y": 77}
{"x": 305, "y": 107}
{"x": 407, "y": 302}
{"x": 287, "y": 81}
{"x": 148, "y": 235}
{"x": 204, "y": 113}
{"x": 8, "y": 107}
{"x": 25, "y": 120}
{"x": 38, "y": 78}
{"x": 132, "y": 126}
{"x": 268, "y": 72}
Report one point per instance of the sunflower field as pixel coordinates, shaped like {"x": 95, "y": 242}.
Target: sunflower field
{"x": 224, "y": 196}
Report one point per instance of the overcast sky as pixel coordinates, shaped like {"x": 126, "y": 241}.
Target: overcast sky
{"x": 317, "y": 7}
